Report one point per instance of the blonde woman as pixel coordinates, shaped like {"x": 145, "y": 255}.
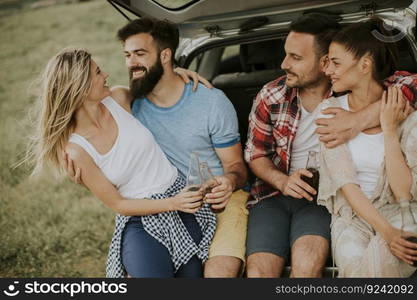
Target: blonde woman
{"x": 361, "y": 181}
{"x": 160, "y": 231}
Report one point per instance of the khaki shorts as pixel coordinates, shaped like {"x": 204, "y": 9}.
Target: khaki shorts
{"x": 230, "y": 236}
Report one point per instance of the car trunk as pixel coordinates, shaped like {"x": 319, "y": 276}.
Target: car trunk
{"x": 205, "y": 17}
{"x": 206, "y": 24}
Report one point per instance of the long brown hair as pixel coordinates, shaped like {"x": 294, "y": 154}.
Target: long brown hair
{"x": 360, "y": 39}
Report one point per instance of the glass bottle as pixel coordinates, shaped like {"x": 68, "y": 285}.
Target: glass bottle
{"x": 313, "y": 167}
{"x": 208, "y": 182}
{"x": 194, "y": 179}
{"x": 408, "y": 224}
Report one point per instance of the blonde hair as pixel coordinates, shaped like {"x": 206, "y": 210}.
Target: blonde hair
{"x": 65, "y": 83}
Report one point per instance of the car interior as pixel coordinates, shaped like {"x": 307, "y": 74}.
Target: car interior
{"x": 259, "y": 63}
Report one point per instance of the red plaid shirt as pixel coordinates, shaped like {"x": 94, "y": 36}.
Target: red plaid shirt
{"x": 273, "y": 123}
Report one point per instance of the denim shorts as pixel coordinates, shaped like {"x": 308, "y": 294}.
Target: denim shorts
{"x": 276, "y": 223}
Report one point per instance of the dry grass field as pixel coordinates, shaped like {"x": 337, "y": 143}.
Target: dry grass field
{"x": 49, "y": 227}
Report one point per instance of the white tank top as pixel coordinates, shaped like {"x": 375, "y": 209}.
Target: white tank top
{"x": 368, "y": 151}
{"x": 135, "y": 164}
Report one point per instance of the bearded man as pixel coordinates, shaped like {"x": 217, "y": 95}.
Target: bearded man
{"x": 183, "y": 122}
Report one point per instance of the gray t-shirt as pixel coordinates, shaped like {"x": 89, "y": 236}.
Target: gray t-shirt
{"x": 200, "y": 121}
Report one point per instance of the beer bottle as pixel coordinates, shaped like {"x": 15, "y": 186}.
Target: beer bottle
{"x": 408, "y": 226}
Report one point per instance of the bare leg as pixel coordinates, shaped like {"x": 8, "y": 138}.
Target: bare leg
{"x": 308, "y": 256}
{"x": 222, "y": 267}
{"x": 264, "y": 265}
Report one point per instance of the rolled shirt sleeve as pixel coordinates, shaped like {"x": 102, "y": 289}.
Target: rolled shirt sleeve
{"x": 223, "y": 123}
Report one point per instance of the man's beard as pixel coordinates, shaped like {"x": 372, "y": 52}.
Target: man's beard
{"x": 310, "y": 81}
{"x": 140, "y": 87}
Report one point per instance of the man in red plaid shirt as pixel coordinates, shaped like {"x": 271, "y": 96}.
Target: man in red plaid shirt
{"x": 282, "y": 130}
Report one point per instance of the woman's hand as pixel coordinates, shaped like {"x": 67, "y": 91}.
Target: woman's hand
{"x": 186, "y": 75}
{"x": 186, "y": 201}
{"x": 394, "y": 109}
{"x": 400, "y": 247}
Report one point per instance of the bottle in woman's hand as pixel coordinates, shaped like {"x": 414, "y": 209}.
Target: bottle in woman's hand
{"x": 194, "y": 179}
{"x": 408, "y": 226}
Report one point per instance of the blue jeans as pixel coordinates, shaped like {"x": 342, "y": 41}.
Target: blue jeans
{"x": 144, "y": 257}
